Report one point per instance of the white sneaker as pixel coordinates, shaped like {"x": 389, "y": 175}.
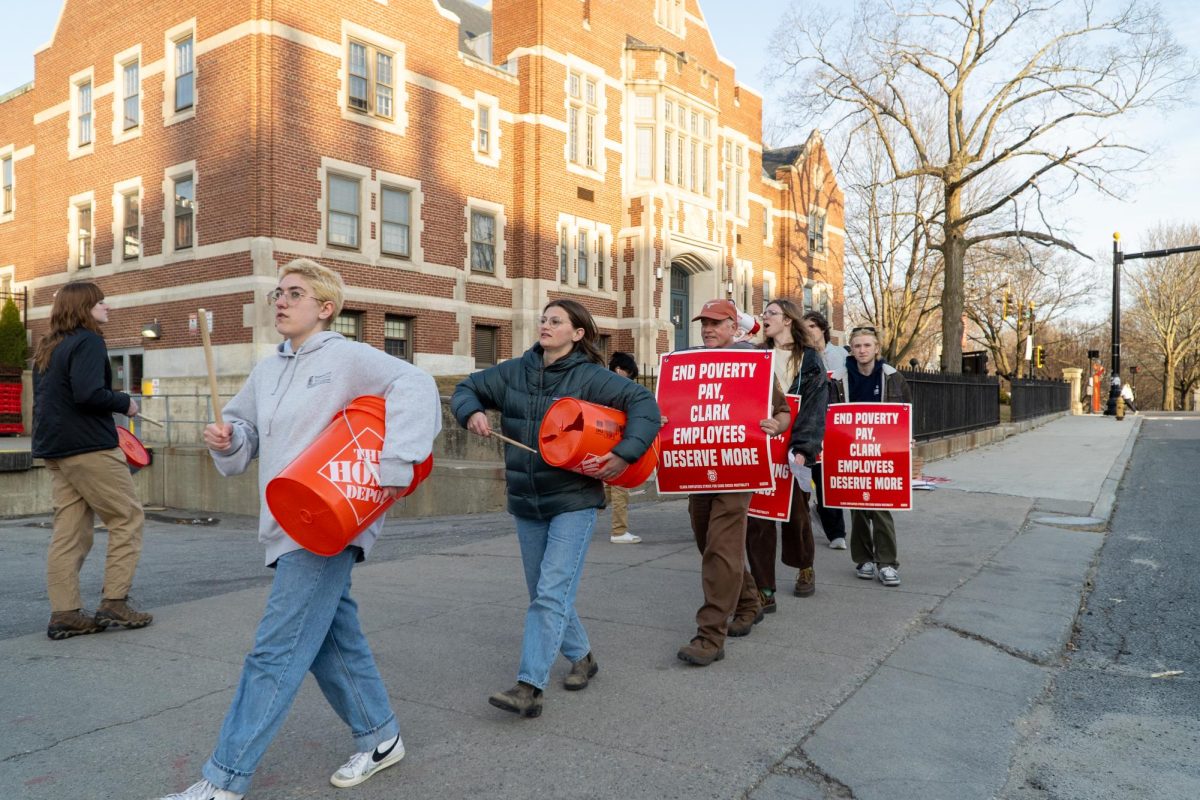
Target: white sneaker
{"x": 204, "y": 790}
{"x": 625, "y": 538}
{"x": 888, "y": 576}
{"x": 363, "y": 765}
{"x": 838, "y": 543}
{"x": 866, "y": 570}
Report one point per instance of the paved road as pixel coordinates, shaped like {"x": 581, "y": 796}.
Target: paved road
{"x": 1109, "y": 728}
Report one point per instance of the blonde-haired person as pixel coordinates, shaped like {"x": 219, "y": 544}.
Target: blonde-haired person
{"x": 74, "y": 432}
{"x": 311, "y": 622}
{"x": 867, "y": 378}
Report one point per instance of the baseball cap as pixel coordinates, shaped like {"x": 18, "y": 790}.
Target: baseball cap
{"x": 718, "y": 309}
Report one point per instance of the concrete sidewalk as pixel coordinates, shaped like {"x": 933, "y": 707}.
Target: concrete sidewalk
{"x": 908, "y": 692}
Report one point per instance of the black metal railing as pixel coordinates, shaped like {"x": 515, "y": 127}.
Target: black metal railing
{"x": 945, "y": 404}
{"x": 20, "y": 297}
{"x": 1035, "y": 398}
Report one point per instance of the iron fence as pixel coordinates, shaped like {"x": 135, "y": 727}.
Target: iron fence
{"x": 945, "y": 404}
{"x": 1034, "y": 398}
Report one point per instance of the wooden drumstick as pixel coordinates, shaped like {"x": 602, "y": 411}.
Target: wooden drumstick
{"x": 513, "y": 442}
{"x": 148, "y": 419}
{"x": 202, "y": 321}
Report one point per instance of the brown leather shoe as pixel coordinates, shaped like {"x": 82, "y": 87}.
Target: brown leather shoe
{"x": 581, "y": 672}
{"x": 700, "y": 652}
{"x": 744, "y": 623}
{"x": 768, "y": 603}
{"x": 523, "y": 699}
{"x": 119, "y": 614}
{"x": 65, "y": 624}
{"x": 806, "y": 583}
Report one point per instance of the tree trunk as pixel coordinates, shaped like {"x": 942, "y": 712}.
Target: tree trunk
{"x": 1169, "y": 383}
{"x": 954, "y": 250}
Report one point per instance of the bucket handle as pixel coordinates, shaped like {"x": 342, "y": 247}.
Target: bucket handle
{"x": 358, "y": 447}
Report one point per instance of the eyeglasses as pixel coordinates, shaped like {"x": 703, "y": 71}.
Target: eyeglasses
{"x": 553, "y": 322}
{"x": 862, "y": 329}
{"x": 766, "y": 314}
{"x": 293, "y": 296}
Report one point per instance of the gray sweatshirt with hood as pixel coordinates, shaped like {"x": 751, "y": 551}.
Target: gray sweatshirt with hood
{"x": 290, "y": 398}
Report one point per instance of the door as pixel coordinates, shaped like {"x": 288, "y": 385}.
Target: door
{"x": 679, "y": 307}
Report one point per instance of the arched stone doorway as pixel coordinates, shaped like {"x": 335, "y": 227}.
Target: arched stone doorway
{"x": 682, "y": 301}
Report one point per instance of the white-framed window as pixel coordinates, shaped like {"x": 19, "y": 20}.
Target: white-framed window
{"x": 768, "y": 288}
{"x": 816, "y": 231}
{"x": 735, "y": 179}
{"x": 83, "y": 114}
{"x": 372, "y": 79}
{"x": 398, "y": 336}
{"x": 131, "y": 96}
{"x": 483, "y": 242}
{"x": 581, "y": 257}
{"x": 686, "y": 146}
{"x": 180, "y": 215}
{"x": 348, "y": 324}
{"x": 8, "y": 194}
{"x": 483, "y": 129}
{"x": 669, "y": 14}
{"x": 81, "y": 132}
{"x": 127, "y": 221}
{"x": 180, "y": 92}
{"x": 127, "y": 95}
{"x": 486, "y": 129}
{"x": 645, "y": 152}
{"x": 395, "y": 222}
{"x": 582, "y": 114}
{"x": 484, "y": 238}
{"x": 81, "y": 221}
{"x": 564, "y": 257}
{"x": 601, "y": 261}
{"x": 342, "y": 211}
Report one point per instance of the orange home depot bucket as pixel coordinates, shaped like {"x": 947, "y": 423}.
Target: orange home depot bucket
{"x": 575, "y": 434}
{"x": 330, "y": 493}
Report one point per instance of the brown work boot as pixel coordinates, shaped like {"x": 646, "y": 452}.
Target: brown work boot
{"x": 700, "y": 652}
{"x": 806, "y": 583}
{"x": 581, "y": 672}
{"x": 743, "y": 623}
{"x": 524, "y": 699}
{"x": 768, "y": 602}
{"x": 65, "y": 624}
{"x": 119, "y": 614}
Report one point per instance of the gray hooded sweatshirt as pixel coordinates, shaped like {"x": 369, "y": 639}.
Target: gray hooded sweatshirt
{"x": 291, "y": 397}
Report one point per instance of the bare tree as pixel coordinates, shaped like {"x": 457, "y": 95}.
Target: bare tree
{"x": 1024, "y": 91}
{"x": 1165, "y": 303}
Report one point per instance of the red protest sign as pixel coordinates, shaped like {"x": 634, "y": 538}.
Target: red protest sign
{"x": 713, "y": 401}
{"x": 776, "y": 503}
{"x": 867, "y": 461}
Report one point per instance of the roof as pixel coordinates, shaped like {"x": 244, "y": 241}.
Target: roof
{"x": 474, "y": 20}
{"x": 781, "y": 157}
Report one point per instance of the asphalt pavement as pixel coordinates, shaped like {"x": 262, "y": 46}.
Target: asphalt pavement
{"x": 859, "y": 691}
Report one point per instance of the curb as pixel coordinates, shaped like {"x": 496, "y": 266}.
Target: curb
{"x": 1103, "y": 507}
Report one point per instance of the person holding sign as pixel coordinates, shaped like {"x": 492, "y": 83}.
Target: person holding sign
{"x": 311, "y": 622}
{"x": 867, "y": 378}
{"x": 800, "y": 371}
{"x": 719, "y": 524}
{"x": 554, "y": 509}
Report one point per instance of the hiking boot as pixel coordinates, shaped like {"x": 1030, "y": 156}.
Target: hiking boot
{"x": 581, "y": 672}
{"x": 65, "y": 624}
{"x": 363, "y": 765}
{"x": 888, "y": 576}
{"x": 700, "y": 652}
{"x": 119, "y": 614}
{"x": 524, "y": 699}
{"x": 865, "y": 570}
{"x": 204, "y": 791}
{"x": 806, "y": 583}
{"x": 744, "y": 623}
{"x": 768, "y": 602}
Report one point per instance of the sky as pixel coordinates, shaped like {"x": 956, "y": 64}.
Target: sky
{"x": 1165, "y": 193}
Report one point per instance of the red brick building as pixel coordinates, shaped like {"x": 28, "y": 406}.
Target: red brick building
{"x": 458, "y": 165}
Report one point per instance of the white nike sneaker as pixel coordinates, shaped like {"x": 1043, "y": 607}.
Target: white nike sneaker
{"x": 204, "y": 790}
{"x": 362, "y": 766}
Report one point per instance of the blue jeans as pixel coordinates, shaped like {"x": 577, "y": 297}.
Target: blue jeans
{"x": 552, "y": 552}
{"x": 310, "y": 623}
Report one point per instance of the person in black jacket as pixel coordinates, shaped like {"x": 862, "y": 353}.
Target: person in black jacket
{"x": 554, "y": 509}
{"x": 74, "y": 432}
{"x": 798, "y": 370}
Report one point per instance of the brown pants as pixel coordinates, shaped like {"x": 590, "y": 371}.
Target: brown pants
{"x": 85, "y": 485}
{"x": 618, "y": 500}
{"x": 796, "y": 535}
{"x": 719, "y": 525}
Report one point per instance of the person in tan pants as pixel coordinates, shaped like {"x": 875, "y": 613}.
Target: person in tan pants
{"x": 74, "y": 432}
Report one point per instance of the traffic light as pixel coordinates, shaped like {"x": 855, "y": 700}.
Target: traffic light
{"x": 1007, "y": 300}
{"x": 1039, "y": 356}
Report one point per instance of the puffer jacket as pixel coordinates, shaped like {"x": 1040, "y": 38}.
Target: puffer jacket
{"x": 522, "y": 389}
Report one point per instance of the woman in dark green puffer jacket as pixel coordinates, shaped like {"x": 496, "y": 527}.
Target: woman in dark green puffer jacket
{"x": 554, "y": 509}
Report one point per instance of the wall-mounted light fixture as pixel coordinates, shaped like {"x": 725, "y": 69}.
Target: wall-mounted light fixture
{"x": 658, "y": 273}
{"x": 152, "y": 330}
{"x": 729, "y": 288}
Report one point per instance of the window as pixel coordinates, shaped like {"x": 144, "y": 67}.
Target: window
{"x": 808, "y": 296}
{"x": 735, "y": 177}
{"x": 563, "y": 259}
{"x": 397, "y": 336}
{"x": 581, "y": 259}
{"x": 704, "y": 167}
{"x": 483, "y": 242}
{"x": 581, "y": 113}
{"x": 185, "y": 74}
{"x": 604, "y": 345}
{"x": 484, "y": 346}
{"x": 6, "y": 200}
{"x": 83, "y": 116}
{"x": 132, "y": 235}
{"x": 372, "y": 80}
{"x": 484, "y": 129}
{"x": 600, "y": 261}
{"x": 645, "y": 153}
{"x": 643, "y": 106}
{"x": 130, "y": 89}
{"x": 83, "y": 234}
{"x": 816, "y": 232}
{"x": 348, "y": 324}
{"x": 185, "y": 209}
{"x": 342, "y": 230}
{"x": 684, "y": 146}
{"x": 667, "y": 156}
{"x": 396, "y": 222}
